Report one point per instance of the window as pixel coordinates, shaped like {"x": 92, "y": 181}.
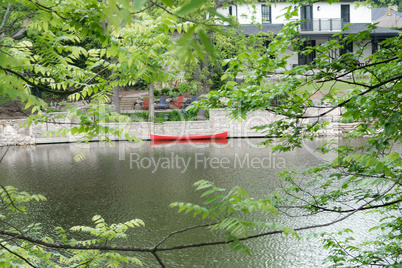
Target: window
{"x": 345, "y": 13}
{"x": 306, "y": 59}
{"x": 306, "y": 15}
{"x": 347, "y": 48}
{"x": 376, "y": 44}
{"x": 266, "y": 14}
{"x": 230, "y": 11}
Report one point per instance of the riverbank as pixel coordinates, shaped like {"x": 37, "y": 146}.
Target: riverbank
{"x": 13, "y": 133}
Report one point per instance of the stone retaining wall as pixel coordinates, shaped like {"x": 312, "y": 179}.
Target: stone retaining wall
{"x": 12, "y": 133}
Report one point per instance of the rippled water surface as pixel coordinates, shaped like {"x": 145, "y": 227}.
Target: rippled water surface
{"x": 131, "y": 181}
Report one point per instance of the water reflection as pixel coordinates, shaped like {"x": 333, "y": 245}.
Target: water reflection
{"x": 140, "y": 181}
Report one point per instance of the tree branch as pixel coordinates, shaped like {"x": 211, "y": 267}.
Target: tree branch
{"x": 49, "y": 90}
{"x": 181, "y": 231}
{"x": 370, "y": 88}
{"x": 18, "y": 255}
{"x": 1, "y": 159}
{"x": 158, "y": 259}
{"x": 47, "y": 9}
{"x": 273, "y": 232}
{"x": 153, "y": 250}
{"x": 344, "y": 211}
{"x": 180, "y": 17}
{"x": 363, "y": 67}
{"x": 144, "y": 9}
{"x": 8, "y": 194}
{"x": 11, "y": 25}
{"x": 16, "y": 104}
{"x": 39, "y": 86}
{"x": 5, "y": 16}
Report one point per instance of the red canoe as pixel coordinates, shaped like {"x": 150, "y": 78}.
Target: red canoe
{"x": 222, "y": 135}
{"x": 211, "y": 141}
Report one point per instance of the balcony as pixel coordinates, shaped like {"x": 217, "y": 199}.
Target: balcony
{"x": 321, "y": 25}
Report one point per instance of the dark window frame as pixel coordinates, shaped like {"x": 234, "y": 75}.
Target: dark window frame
{"x": 266, "y": 13}
{"x": 376, "y": 44}
{"x": 307, "y": 59}
{"x": 347, "y": 48}
{"x": 345, "y": 13}
{"x": 307, "y": 15}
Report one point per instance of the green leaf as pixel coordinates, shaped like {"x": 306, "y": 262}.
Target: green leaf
{"x": 138, "y": 4}
{"x": 207, "y": 44}
{"x": 189, "y": 7}
{"x": 211, "y": 199}
{"x": 169, "y": 3}
{"x": 182, "y": 207}
{"x": 208, "y": 192}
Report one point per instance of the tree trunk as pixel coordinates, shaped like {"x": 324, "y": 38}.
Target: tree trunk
{"x": 116, "y": 89}
{"x": 203, "y": 88}
{"x": 151, "y": 103}
{"x": 116, "y": 99}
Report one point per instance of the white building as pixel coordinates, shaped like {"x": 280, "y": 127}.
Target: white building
{"x": 321, "y": 21}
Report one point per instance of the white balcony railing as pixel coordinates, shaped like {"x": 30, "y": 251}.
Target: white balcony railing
{"x": 318, "y": 25}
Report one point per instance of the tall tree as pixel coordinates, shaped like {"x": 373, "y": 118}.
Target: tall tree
{"x": 61, "y": 66}
{"x": 201, "y": 64}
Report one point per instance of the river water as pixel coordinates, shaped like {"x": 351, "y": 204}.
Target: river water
{"x": 140, "y": 181}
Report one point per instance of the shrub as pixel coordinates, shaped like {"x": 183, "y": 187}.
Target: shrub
{"x": 346, "y": 120}
{"x": 165, "y": 91}
{"x": 141, "y": 85}
{"x": 216, "y": 76}
{"x": 175, "y": 90}
{"x": 187, "y": 87}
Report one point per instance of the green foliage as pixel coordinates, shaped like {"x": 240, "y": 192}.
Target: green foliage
{"x": 232, "y": 42}
{"x": 231, "y": 212}
{"x": 175, "y": 115}
{"x": 216, "y": 76}
{"x": 24, "y": 253}
{"x": 69, "y": 53}
{"x": 165, "y": 91}
{"x": 92, "y": 122}
{"x": 103, "y": 232}
{"x": 4, "y": 100}
{"x": 346, "y": 120}
{"x": 12, "y": 14}
{"x": 79, "y": 157}
{"x": 141, "y": 85}
{"x": 14, "y": 200}
{"x": 382, "y": 3}
{"x": 187, "y": 87}
{"x": 83, "y": 50}
{"x": 381, "y": 252}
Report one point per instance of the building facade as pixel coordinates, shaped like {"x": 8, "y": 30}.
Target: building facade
{"x": 319, "y": 22}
